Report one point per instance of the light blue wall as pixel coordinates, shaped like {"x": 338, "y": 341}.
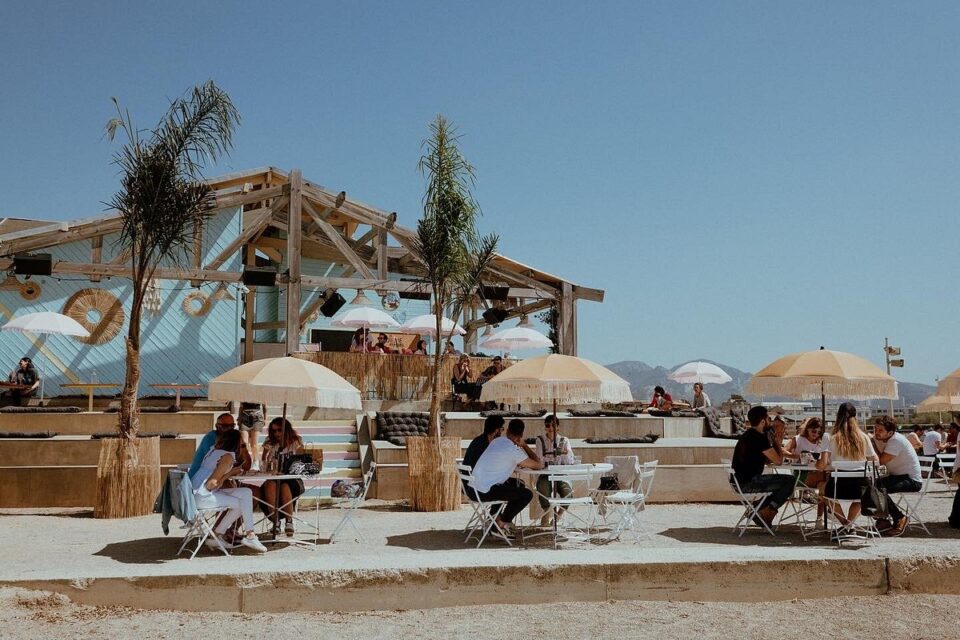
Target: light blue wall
{"x": 175, "y": 347}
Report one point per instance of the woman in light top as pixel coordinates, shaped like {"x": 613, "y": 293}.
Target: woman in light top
{"x": 847, "y": 443}
{"x": 553, "y": 449}
{"x": 812, "y": 440}
{"x": 421, "y": 349}
{"x": 211, "y": 489}
{"x": 281, "y": 431}
{"x": 700, "y": 398}
{"x": 360, "y": 341}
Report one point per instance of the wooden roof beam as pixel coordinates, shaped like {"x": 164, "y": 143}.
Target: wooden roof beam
{"x": 256, "y": 227}
{"x": 338, "y": 240}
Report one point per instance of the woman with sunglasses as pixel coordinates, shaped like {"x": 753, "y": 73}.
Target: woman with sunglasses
{"x": 282, "y": 439}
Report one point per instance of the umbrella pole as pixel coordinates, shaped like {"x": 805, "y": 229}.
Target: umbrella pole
{"x": 823, "y": 406}
{"x": 276, "y": 496}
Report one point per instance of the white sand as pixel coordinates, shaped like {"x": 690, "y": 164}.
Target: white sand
{"x": 30, "y": 614}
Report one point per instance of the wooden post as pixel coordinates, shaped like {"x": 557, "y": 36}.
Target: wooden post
{"x": 96, "y": 254}
{"x": 382, "y": 254}
{"x": 197, "y": 258}
{"x": 470, "y": 340}
{"x": 294, "y": 237}
{"x": 566, "y": 331}
{"x": 249, "y": 307}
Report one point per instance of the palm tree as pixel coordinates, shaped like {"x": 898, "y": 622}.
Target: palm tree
{"x": 453, "y": 254}
{"x": 164, "y": 201}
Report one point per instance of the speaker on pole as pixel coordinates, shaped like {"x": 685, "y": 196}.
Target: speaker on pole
{"x": 494, "y": 315}
{"x": 259, "y": 276}
{"x": 332, "y": 305}
{"x": 36, "y": 264}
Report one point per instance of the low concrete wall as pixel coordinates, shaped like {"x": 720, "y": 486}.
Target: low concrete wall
{"x": 468, "y": 426}
{"x": 42, "y": 487}
{"x": 76, "y": 452}
{"x": 85, "y": 424}
{"x": 391, "y": 589}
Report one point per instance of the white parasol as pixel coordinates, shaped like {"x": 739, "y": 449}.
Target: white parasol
{"x": 426, "y": 325}
{"x": 702, "y": 372}
{"x": 46, "y": 322}
{"x": 516, "y": 339}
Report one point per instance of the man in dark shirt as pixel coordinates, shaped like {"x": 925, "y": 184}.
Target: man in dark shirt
{"x": 758, "y": 446}
{"x": 492, "y": 429}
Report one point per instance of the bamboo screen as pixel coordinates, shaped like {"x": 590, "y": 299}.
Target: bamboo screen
{"x": 392, "y": 376}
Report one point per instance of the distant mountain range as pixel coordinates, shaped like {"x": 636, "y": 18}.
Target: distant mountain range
{"x": 643, "y": 378}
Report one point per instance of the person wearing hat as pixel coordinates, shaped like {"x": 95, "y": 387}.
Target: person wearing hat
{"x": 25, "y": 374}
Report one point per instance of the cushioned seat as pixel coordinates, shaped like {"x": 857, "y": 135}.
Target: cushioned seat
{"x": 397, "y": 426}
{"x": 41, "y": 410}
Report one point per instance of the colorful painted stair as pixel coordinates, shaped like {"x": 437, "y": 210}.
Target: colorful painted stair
{"x": 338, "y": 441}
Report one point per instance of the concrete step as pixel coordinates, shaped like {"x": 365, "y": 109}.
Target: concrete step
{"x": 332, "y": 439}
{"x": 468, "y": 425}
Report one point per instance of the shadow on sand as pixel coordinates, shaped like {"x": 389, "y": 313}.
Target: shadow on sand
{"x": 144, "y": 551}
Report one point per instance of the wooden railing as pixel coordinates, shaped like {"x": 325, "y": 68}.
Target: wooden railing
{"x": 392, "y": 376}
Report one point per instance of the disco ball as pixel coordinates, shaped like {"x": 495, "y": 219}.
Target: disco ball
{"x": 390, "y": 301}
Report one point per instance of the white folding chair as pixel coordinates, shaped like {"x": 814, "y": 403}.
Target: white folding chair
{"x": 201, "y": 526}
{"x": 573, "y": 525}
{"x": 945, "y": 463}
{"x": 349, "y": 507}
{"x": 751, "y": 503}
{"x": 485, "y": 514}
{"x": 625, "y": 506}
{"x": 851, "y": 531}
{"x": 910, "y": 502}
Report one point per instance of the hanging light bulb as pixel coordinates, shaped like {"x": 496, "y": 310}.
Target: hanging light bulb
{"x": 524, "y": 321}
{"x": 361, "y": 299}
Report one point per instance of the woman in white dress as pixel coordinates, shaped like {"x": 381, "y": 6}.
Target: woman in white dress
{"x": 211, "y": 489}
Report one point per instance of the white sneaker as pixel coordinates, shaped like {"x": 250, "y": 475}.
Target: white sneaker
{"x": 253, "y": 543}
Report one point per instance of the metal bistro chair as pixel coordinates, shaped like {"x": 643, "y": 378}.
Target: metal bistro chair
{"x": 200, "y": 526}
{"x": 349, "y": 507}
{"x": 910, "y": 502}
{"x": 751, "y": 503}
{"x": 852, "y": 531}
{"x": 585, "y": 524}
{"x": 483, "y": 522}
{"x": 625, "y": 506}
{"x": 945, "y": 464}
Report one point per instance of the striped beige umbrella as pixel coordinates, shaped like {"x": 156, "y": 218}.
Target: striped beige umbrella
{"x": 823, "y": 373}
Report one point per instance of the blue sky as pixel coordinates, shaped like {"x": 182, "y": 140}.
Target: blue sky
{"x": 744, "y": 180}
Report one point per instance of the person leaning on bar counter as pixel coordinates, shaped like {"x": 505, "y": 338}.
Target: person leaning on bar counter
{"x": 24, "y": 374}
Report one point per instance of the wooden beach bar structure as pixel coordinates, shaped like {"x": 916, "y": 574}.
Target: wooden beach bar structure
{"x": 208, "y": 321}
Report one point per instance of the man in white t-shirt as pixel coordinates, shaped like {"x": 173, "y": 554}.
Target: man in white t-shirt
{"x": 492, "y": 475}
{"x": 903, "y": 471}
{"x": 932, "y": 442}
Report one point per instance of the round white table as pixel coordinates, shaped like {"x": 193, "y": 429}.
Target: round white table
{"x": 257, "y": 479}
{"x": 592, "y": 470}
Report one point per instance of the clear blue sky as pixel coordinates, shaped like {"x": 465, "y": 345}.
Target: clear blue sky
{"x": 743, "y": 179}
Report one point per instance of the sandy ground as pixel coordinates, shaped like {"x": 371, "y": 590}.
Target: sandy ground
{"x": 40, "y": 547}
{"x": 32, "y": 614}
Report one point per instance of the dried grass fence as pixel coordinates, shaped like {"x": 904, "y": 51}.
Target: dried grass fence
{"x": 390, "y": 376}
{"x": 128, "y": 477}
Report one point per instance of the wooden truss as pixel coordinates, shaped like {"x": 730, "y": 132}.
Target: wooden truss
{"x": 288, "y": 218}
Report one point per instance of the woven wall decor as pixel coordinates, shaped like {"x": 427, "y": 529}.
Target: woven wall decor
{"x": 190, "y": 307}
{"x": 101, "y": 305}
{"x": 30, "y": 290}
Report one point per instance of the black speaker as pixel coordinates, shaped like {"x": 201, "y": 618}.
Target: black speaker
{"x": 415, "y": 295}
{"x": 495, "y": 293}
{"x": 332, "y": 305}
{"x": 36, "y": 264}
{"x": 495, "y": 315}
{"x": 259, "y": 276}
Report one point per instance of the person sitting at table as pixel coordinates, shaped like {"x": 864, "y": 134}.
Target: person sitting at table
{"x": 553, "y": 449}
{"x": 495, "y": 367}
{"x": 492, "y": 429}
{"x": 421, "y": 349}
{"x": 381, "y": 345}
{"x": 462, "y": 379}
{"x": 493, "y": 474}
{"x": 449, "y": 349}
{"x": 700, "y": 397}
{"x": 661, "y": 401}
{"x": 223, "y": 424}
{"x": 903, "y": 472}
{"x": 25, "y": 374}
{"x": 211, "y": 489}
{"x": 915, "y": 437}
{"x": 953, "y": 431}
{"x": 757, "y": 447}
{"x": 282, "y": 439}
{"x": 847, "y": 443}
{"x": 360, "y": 341}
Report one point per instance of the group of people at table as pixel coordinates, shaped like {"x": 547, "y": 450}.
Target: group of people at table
{"x": 363, "y": 341}
{"x": 496, "y": 454}
{"x": 846, "y": 446}
{"x": 225, "y": 455}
